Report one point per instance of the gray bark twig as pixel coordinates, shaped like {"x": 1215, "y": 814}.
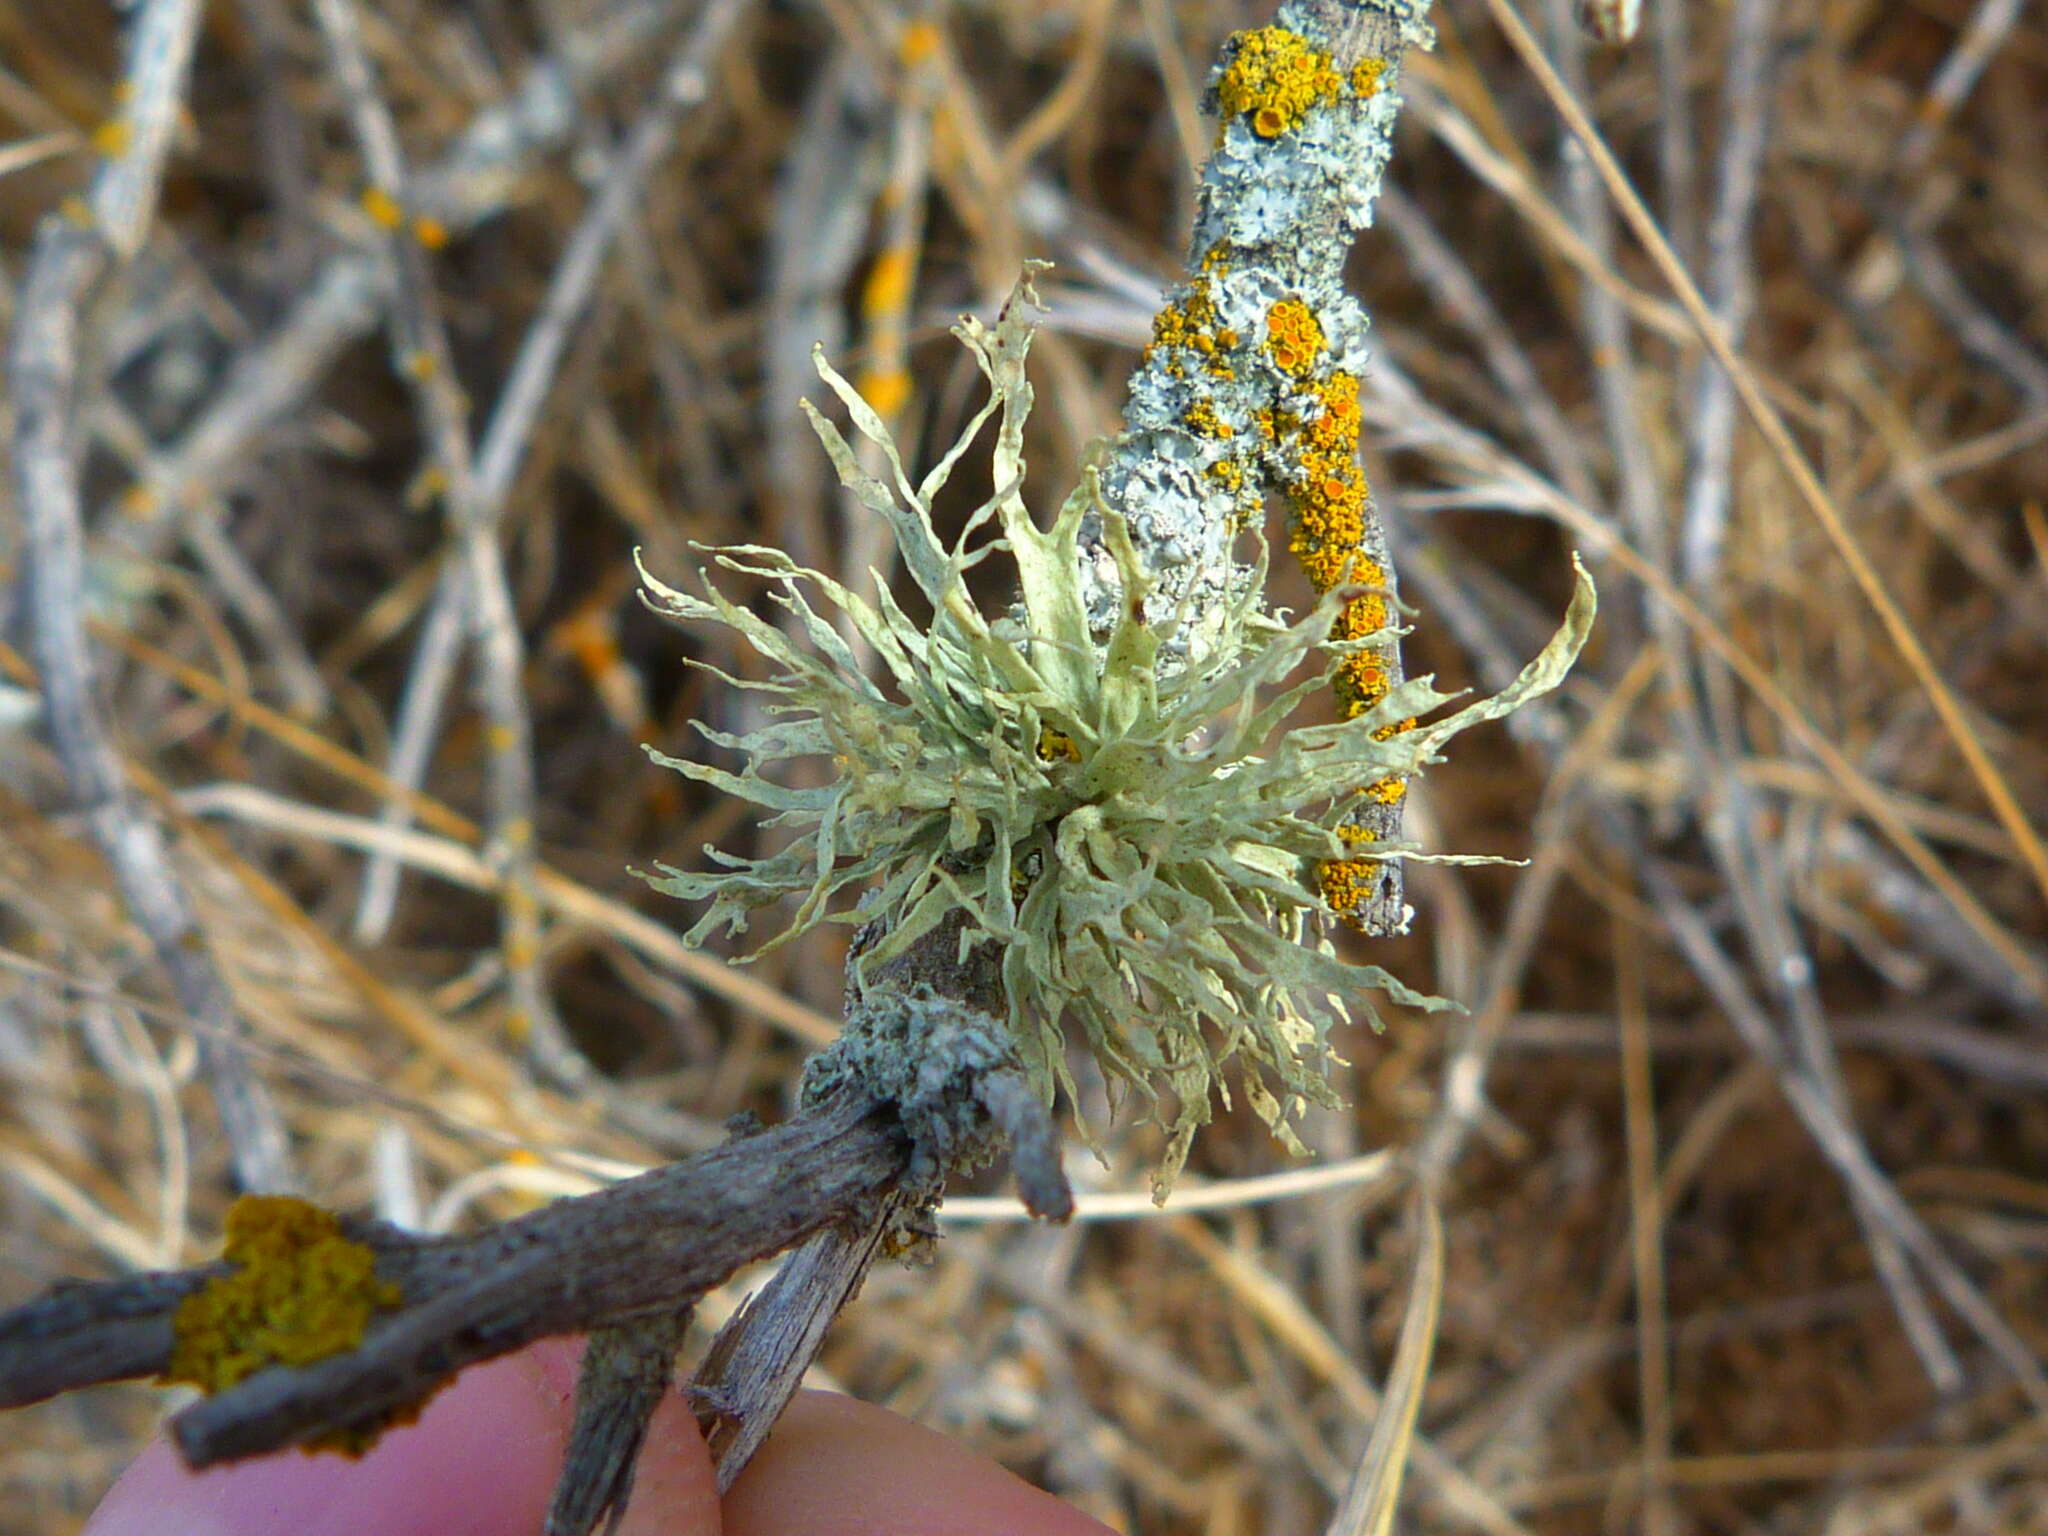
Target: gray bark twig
{"x": 648, "y": 1246}
{"x": 626, "y": 1373}
{"x": 422, "y": 356}
{"x": 926, "y": 1080}
{"x": 852, "y": 1173}
{"x": 73, "y": 254}
{"x": 472, "y": 594}
{"x": 758, "y": 1360}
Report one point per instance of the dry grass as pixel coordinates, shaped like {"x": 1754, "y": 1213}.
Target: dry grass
{"x": 1742, "y": 1152}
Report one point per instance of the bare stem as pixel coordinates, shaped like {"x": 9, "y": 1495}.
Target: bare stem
{"x": 75, "y": 249}
{"x": 647, "y": 1247}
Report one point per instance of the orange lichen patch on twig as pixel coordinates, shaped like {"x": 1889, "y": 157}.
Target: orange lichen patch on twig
{"x": 382, "y": 208}
{"x": 1346, "y": 884}
{"x": 1201, "y": 419}
{"x": 887, "y": 289}
{"x": 299, "y": 1291}
{"x": 113, "y": 137}
{"x": 1276, "y": 77}
{"x": 1294, "y": 337}
{"x": 1189, "y": 322}
{"x": 1331, "y": 506}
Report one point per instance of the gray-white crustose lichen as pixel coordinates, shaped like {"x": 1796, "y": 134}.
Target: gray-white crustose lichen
{"x": 1250, "y": 385}
{"x": 1139, "y": 842}
{"x": 1305, "y": 129}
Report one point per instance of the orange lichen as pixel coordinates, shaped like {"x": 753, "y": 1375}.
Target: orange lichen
{"x": 887, "y": 290}
{"x": 1056, "y": 746}
{"x": 1294, "y": 338}
{"x": 1201, "y": 418}
{"x": 1363, "y": 681}
{"x": 887, "y": 390}
{"x": 1189, "y": 322}
{"x": 919, "y": 41}
{"x": 1330, "y": 495}
{"x": 113, "y": 137}
{"x": 431, "y": 233}
{"x": 1331, "y": 502}
{"x": 299, "y": 1291}
{"x": 382, "y": 208}
{"x": 1277, "y": 77}
{"x": 1181, "y": 322}
{"x": 1365, "y": 78}
{"x": 1348, "y": 884}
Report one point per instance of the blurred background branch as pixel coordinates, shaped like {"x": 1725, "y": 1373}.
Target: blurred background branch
{"x": 1740, "y": 1153}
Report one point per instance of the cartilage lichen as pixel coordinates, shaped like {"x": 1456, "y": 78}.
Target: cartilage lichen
{"x": 1139, "y": 840}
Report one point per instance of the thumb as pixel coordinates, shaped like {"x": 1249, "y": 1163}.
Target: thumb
{"x": 480, "y": 1461}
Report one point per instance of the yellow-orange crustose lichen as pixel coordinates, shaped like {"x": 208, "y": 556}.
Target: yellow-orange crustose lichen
{"x": 382, "y": 208}
{"x": 1190, "y": 344}
{"x": 1189, "y": 322}
{"x": 1294, "y": 337}
{"x": 1276, "y": 76}
{"x": 299, "y": 1291}
{"x": 113, "y": 137}
{"x": 1201, "y": 418}
{"x": 1329, "y": 500}
{"x": 1365, "y": 78}
{"x": 1346, "y": 885}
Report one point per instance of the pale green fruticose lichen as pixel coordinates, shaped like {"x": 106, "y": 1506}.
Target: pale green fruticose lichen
{"x": 1140, "y": 841}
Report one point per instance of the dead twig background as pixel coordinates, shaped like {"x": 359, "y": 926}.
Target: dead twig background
{"x": 1741, "y": 1154}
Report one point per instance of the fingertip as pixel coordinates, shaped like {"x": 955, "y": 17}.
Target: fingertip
{"x": 480, "y": 1461}
{"x": 838, "y": 1467}
{"x": 675, "y": 1490}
